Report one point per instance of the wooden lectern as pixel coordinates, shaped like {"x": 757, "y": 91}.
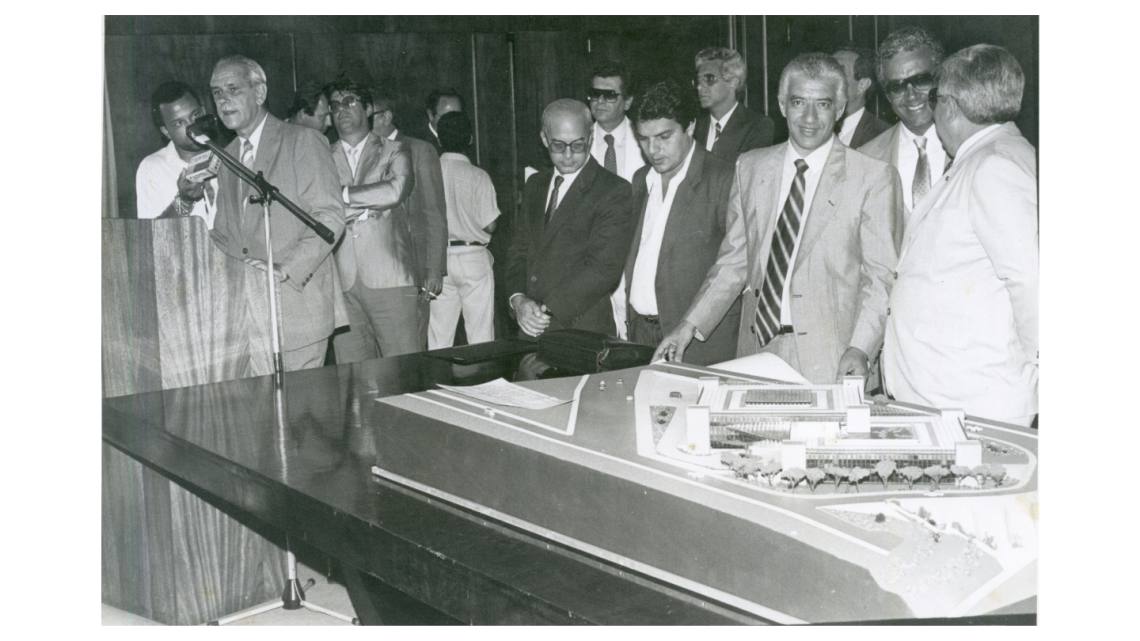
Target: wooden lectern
{"x": 178, "y": 312}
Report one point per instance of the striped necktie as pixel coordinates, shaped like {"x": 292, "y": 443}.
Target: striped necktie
{"x": 767, "y": 324}
{"x": 553, "y": 204}
{"x": 921, "y": 183}
{"x": 716, "y": 135}
{"x": 611, "y": 154}
{"x": 247, "y": 160}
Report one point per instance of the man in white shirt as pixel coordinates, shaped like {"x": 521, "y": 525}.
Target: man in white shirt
{"x": 615, "y": 147}
{"x": 161, "y": 187}
{"x": 859, "y": 124}
{"x": 963, "y": 325}
{"x": 469, "y": 286}
{"x": 908, "y": 59}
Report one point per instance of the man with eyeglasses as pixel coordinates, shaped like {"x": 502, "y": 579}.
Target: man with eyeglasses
{"x": 376, "y": 256}
{"x": 427, "y": 208}
{"x": 296, "y": 160}
{"x": 963, "y": 329}
{"x": 162, "y": 189}
{"x": 907, "y": 61}
{"x": 573, "y": 233}
{"x": 615, "y": 147}
{"x": 811, "y": 241}
{"x": 730, "y": 128}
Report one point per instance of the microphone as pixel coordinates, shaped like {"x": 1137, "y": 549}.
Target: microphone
{"x": 205, "y": 126}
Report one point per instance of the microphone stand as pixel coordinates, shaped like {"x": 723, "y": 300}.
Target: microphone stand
{"x": 293, "y": 594}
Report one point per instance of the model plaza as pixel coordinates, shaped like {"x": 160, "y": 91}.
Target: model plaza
{"x": 816, "y": 425}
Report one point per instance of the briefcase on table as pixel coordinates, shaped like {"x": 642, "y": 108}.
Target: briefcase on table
{"x": 590, "y": 352}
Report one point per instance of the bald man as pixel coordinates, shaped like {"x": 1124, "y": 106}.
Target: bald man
{"x": 573, "y": 233}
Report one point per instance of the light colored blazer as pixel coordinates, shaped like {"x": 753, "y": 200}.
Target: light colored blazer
{"x": 964, "y": 311}
{"x": 633, "y": 158}
{"x": 379, "y": 249}
{"x": 295, "y": 160}
{"x": 843, "y": 271}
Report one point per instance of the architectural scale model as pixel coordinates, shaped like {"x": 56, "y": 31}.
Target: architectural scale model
{"x": 806, "y": 426}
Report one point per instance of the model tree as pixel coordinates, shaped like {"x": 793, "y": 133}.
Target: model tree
{"x": 794, "y": 476}
{"x": 997, "y": 472}
{"x": 769, "y": 470}
{"x": 814, "y": 476}
{"x": 837, "y": 474}
{"x": 857, "y": 474}
{"x": 911, "y": 473}
{"x": 981, "y": 472}
{"x": 960, "y": 472}
{"x": 885, "y": 469}
{"x": 935, "y": 473}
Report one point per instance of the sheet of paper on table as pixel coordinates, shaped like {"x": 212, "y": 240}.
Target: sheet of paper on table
{"x": 502, "y": 392}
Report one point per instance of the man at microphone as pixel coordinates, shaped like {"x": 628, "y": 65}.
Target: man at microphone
{"x": 295, "y": 160}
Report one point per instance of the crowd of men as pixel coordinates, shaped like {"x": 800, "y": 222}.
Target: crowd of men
{"x": 906, "y": 254}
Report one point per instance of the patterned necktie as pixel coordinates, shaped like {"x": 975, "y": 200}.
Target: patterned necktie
{"x": 553, "y": 204}
{"x": 716, "y": 134}
{"x": 247, "y": 154}
{"x": 767, "y": 322}
{"x": 611, "y": 154}
{"x": 921, "y": 183}
{"x": 353, "y": 159}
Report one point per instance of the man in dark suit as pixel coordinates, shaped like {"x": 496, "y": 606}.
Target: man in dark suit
{"x": 859, "y": 124}
{"x": 296, "y": 161}
{"x": 730, "y": 128}
{"x": 439, "y": 102}
{"x": 572, "y": 232}
{"x": 376, "y": 257}
{"x": 681, "y": 201}
{"x": 427, "y": 209}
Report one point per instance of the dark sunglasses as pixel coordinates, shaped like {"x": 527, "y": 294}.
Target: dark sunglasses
{"x": 922, "y": 83}
{"x": 559, "y": 147}
{"x": 349, "y": 101}
{"x": 609, "y": 95}
{"x": 707, "y": 80}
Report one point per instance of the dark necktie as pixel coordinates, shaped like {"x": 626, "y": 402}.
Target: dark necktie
{"x": 921, "y": 183}
{"x": 716, "y": 135}
{"x": 553, "y": 204}
{"x": 767, "y": 322}
{"x": 611, "y": 154}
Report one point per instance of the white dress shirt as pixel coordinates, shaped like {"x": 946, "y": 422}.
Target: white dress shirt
{"x": 623, "y": 137}
{"x": 850, "y": 124}
{"x": 156, "y": 184}
{"x": 643, "y": 288}
{"x": 712, "y": 126}
{"x": 353, "y": 153}
{"x": 908, "y": 158}
{"x": 815, "y": 161}
{"x": 567, "y": 180}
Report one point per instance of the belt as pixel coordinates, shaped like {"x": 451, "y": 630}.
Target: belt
{"x": 786, "y": 329}
{"x": 465, "y": 243}
{"x": 652, "y": 320}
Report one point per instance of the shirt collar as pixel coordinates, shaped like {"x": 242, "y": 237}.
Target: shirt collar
{"x": 909, "y": 136}
{"x": 653, "y": 179}
{"x": 433, "y": 131}
{"x": 973, "y": 140}
{"x": 724, "y": 121}
{"x": 392, "y": 136}
{"x": 255, "y": 137}
{"x": 357, "y": 147}
{"x": 619, "y": 132}
{"x": 451, "y": 155}
{"x": 815, "y": 158}
{"x": 854, "y": 116}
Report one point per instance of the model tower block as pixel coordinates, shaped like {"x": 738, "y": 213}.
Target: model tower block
{"x": 816, "y": 425}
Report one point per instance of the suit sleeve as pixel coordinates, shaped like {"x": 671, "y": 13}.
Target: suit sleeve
{"x": 598, "y": 272}
{"x": 319, "y": 194}
{"x": 392, "y": 190}
{"x": 1003, "y": 214}
{"x": 760, "y": 134}
{"x": 879, "y": 221}
{"x": 728, "y": 274}
{"x": 431, "y": 208}
{"x": 515, "y": 276}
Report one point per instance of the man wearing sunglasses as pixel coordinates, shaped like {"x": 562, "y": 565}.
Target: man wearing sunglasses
{"x": 377, "y": 270}
{"x": 908, "y": 59}
{"x": 573, "y": 233}
{"x": 730, "y": 128}
{"x": 614, "y": 147}
{"x": 295, "y": 160}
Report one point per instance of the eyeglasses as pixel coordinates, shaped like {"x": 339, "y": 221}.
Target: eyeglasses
{"x": 608, "y": 95}
{"x": 707, "y": 80}
{"x": 932, "y": 98}
{"x": 348, "y": 102}
{"x": 559, "y": 147}
{"x": 922, "y": 83}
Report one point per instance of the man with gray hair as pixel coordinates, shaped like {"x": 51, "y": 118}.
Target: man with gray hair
{"x": 573, "y": 233}
{"x": 907, "y": 61}
{"x": 296, "y": 160}
{"x": 811, "y": 241}
{"x": 964, "y": 311}
{"x": 730, "y": 128}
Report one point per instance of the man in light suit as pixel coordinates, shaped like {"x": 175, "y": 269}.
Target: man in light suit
{"x": 615, "y": 147}
{"x": 376, "y": 257}
{"x": 730, "y": 128}
{"x": 572, "y": 233}
{"x": 962, "y": 332}
{"x": 296, "y": 161}
{"x": 816, "y": 286}
{"x": 907, "y": 61}
{"x": 427, "y": 208}
{"x": 859, "y": 124}
{"x": 681, "y": 200}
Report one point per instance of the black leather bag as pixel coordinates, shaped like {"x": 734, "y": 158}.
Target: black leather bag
{"x": 582, "y": 351}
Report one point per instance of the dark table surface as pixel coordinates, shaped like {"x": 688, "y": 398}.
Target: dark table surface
{"x": 310, "y": 476}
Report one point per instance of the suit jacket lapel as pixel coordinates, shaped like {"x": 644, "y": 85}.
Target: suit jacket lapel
{"x": 369, "y": 156}
{"x": 682, "y": 202}
{"x": 571, "y": 201}
{"x": 826, "y": 199}
{"x": 340, "y": 159}
{"x": 861, "y": 128}
{"x": 640, "y": 204}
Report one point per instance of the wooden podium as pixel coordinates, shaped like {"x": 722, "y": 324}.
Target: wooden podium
{"x": 178, "y": 312}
